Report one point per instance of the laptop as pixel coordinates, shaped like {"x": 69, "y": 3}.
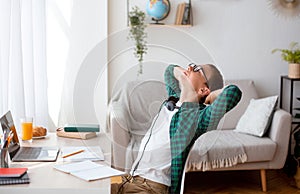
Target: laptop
{"x": 20, "y": 153}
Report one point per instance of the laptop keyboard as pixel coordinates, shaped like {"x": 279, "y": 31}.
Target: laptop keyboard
{"x": 29, "y": 152}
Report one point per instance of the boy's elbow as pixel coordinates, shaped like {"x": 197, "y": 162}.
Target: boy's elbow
{"x": 234, "y": 93}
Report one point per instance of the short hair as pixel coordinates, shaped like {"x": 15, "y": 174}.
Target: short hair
{"x": 214, "y": 77}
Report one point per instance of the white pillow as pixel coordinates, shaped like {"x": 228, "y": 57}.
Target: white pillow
{"x": 257, "y": 117}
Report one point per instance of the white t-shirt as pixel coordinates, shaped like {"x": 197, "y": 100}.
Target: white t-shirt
{"x": 155, "y": 160}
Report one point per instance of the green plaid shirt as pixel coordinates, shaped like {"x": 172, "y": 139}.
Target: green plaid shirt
{"x": 191, "y": 121}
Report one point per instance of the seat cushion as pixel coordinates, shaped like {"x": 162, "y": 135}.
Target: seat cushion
{"x": 226, "y": 148}
{"x": 257, "y": 148}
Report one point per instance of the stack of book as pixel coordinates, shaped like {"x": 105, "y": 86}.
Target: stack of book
{"x": 9, "y": 176}
{"x": 183, "y": 14}
{"x": 78, "y": 131}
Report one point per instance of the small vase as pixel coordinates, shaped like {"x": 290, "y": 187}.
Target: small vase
{"x": 294, "y": 70}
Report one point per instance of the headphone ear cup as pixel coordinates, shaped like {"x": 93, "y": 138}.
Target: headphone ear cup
{"x": 170, "y": 105}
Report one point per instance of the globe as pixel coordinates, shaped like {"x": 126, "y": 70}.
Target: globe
{"x": 158, "y": 9}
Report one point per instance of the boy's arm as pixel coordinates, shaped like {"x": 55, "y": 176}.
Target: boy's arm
{"x": 178, "y": 84}
{"x": 224, "y": 102}
{"x": 172, "y": 84}
{"x": 212, "y": 96}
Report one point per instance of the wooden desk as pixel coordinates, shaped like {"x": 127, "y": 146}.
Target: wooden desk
{"x": 45, "y": 179}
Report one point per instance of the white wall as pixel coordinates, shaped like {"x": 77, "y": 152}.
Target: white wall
{"x": 238, "y": 34}
{"x": 77, "y": 51}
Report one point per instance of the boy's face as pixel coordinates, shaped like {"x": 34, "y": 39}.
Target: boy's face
{"x": 198, "y": 80}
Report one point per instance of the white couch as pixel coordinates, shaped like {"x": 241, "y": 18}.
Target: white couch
{"x": 132, "y": 109}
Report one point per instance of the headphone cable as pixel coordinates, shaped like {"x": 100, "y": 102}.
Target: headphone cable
{"x": 129, "y": 178}
{"x": 151, "y": 130}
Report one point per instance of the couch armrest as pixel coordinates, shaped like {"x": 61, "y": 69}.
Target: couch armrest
{"x": 118, "y": 127}
{"x": 280, "y": 131}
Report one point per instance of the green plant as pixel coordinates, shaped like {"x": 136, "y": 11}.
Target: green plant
{"x": 291, "y": 55}
{"x": 138, "y": 34}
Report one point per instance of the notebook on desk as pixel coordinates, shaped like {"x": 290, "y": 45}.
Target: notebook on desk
{"x": 19, "y": 153}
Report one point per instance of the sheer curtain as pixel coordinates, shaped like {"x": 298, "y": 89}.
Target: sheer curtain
{"x": 23, "y": 70}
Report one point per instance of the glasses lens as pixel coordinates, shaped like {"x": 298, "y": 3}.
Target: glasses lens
{"x": 198, "y": 68}
{"x": 195, "y": 67}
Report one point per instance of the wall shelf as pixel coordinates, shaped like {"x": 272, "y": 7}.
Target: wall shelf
{"x": 172, "y": 17}
{"x": 171, "y": 25}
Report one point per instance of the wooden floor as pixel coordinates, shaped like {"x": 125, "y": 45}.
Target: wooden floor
{"x": 236, "y": 182}
{"x": 242, "y": 182}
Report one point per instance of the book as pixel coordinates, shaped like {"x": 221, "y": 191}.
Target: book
{"x": 77, "y": 135}
{"x": 81, "y": 128}
{"x": 12, "y": 172}
{"x": 179, "y": 13}
{"x": 93, "y": 153}
{"x": 88, "y": 170}
{"x": 191, "y": 16}
{"x": 24, "y": 179}
{"x": 186, "y": 14}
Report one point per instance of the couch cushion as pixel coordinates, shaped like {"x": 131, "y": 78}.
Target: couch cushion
{"x": 257, "y": 117}
{"x": 137, "y": 97}
{"x": 230, "y": 119}
{"x": 216, "y": 149}
{"x": 227, "y": 147}
{"x": 257, "y": 148}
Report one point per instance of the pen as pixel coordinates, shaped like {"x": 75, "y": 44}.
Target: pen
{"x": 71, "y": 154}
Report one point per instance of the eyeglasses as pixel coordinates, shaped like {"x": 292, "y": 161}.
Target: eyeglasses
{"x": 198, "y": 68}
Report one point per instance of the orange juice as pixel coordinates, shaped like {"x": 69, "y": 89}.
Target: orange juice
{"x": 26, "y": 130}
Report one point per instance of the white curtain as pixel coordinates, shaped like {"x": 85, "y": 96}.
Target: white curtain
{"x": 23, "y": 69}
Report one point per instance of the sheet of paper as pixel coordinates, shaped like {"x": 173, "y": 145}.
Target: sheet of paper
{"x": 76, "y": 166}
{"x": 88, "y": 170}
{"x": 93, "y": 153}
{"x": 97, "y": 173}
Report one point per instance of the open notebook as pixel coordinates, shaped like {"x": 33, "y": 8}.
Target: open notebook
{"x": 88, "y": 170}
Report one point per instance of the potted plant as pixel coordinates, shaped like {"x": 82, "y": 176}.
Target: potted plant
{"x": 138, "y": 34}
{"x": 292, "y": 56}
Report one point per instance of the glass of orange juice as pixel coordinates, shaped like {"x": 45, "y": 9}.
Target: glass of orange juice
{"x": 26, "y": 127}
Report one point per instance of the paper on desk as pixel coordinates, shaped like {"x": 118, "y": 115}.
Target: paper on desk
{"x": 77, "y": 166}
{"x": 93, "y": 153}
{"x": 88, "y": 170}
{"x": 97, "y": 173}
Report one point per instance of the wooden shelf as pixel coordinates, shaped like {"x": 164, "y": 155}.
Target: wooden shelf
{"x": 171, "y": 24}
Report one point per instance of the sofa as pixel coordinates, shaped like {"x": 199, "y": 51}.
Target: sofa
{"x": 133, "y": 107}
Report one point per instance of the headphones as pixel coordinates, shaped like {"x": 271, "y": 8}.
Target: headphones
{"x": 171, "y": 103}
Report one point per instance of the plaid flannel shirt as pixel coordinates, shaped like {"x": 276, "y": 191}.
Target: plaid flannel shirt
{"x": 191, "y": 121}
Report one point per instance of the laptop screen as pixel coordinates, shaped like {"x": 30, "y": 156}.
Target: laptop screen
{"x": 8, "y": 125}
